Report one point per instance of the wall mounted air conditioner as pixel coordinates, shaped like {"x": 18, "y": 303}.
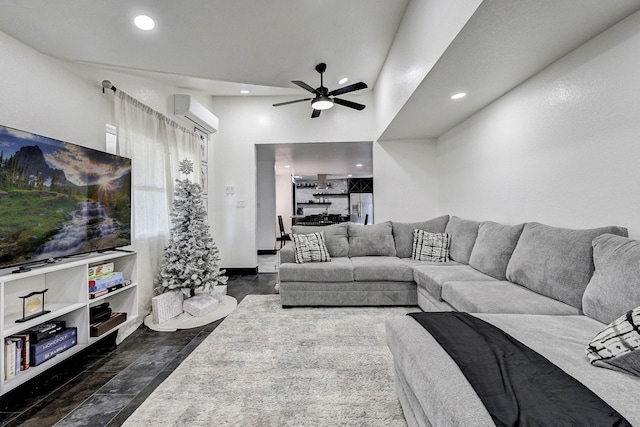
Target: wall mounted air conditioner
{"x": 192, "y": 110}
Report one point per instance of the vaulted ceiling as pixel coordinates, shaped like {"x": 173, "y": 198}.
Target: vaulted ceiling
{"x": 216, "y": 46}
{"x": 219, "y": 47}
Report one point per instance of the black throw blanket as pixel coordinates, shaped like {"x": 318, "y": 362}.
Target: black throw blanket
{"x": 518, "y": 386}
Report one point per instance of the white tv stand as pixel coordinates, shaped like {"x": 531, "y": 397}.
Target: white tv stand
{"x": 68, "y": 299}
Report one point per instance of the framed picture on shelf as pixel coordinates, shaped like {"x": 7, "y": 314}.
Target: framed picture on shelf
{"x": 204, "y": 177}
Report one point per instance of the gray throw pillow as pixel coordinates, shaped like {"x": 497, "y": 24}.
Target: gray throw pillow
{"x": 493, "y": 248}
{"x": 403, "y": 233}
{"x": 463, "y": 236}
{"x": 615, "y": 285}
{"x": 375, "y": 239}
{"x": 556, "y": 262}
{"x": 335, "y": 237}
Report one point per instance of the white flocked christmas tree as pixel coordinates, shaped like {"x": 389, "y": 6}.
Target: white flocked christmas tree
{"x": 190, "y": 260}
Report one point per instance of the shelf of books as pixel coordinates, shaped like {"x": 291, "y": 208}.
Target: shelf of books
{"x": 52, "y": 313}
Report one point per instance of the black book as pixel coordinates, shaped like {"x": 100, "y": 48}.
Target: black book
{"x": 45, "y": 330}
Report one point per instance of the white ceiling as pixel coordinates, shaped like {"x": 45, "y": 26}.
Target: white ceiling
{"x": 219, "y": 47}
{"x": 216, "y": 46}
{"x": 503, "y": 44}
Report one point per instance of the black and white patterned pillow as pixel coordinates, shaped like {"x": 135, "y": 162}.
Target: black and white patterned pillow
{"x": 617, "y": 346}
{"x": 429, "y": 246}
{"x": 310, "y": 247}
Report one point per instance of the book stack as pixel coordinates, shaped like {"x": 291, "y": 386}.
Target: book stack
{"x": 100, "y": 328}
{"x": 43, "y": 350}
{"x": 36, "y": 345}
{"x": 16, "y": 355}
{"x": 103, "y": 279}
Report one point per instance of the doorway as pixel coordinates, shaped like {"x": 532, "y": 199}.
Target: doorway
{"x": 295, "y": 162}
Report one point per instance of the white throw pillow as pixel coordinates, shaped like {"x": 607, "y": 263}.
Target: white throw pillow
{"x": 616, "y": 347}
{"x": 429, "y": 246}
{"x": 310, "y": 247}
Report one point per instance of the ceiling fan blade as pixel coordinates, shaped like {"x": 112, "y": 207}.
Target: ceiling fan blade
{"x": 315, "y": 113}
{"x": 349, "y": 104}
{"x": 291, "y": 102}
{"x": 305, "y": 86}
{"x": 347, "y": 89}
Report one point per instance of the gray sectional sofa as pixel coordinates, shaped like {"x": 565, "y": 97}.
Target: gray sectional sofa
{"x": 551, "y": 288}
{"x": 370, "y": 265}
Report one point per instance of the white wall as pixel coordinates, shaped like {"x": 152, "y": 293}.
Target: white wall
{"x": 246, "y": 121}
{"x": 405, "y": 184}
{"x": 266, "y": 206}
{"x": 426, "y": 30}
{"x": 39, "y": 95}
{"x": 61, "y": 100}
{"x": 563, "y": 148}
{"x": 284, "y": 201}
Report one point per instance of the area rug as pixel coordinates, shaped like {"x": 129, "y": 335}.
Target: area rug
{"x": 269, "y": 366}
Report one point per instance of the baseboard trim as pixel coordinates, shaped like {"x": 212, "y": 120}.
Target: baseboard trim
{"x": 241, "y": 271}
{"x": 267, "y": 252}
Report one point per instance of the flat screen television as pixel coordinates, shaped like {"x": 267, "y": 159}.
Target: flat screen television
{"x": 59, "y": 199}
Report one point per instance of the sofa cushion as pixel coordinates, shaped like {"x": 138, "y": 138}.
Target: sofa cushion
{"x": 617, "y": 347}
{"x": 335, "y": 237}
{"x": 337, "y": 270}
{"x": 614, "y": 288}
{"x": 555, "y": 262}
{"x": 403, "y": 233}
{"x": 371, "y": 240}
{"x": 501, "y": 297}
{"x": 381, "y": 268}
{"x": 493, "y": 248}
{"x": 310, "y": 248}
{"x": 287, "y": 254}
{"x": 429, "y": 246}
{"x": 347, "y": 294}
{"x": 442, "y": 387}
{"x": 415, "y": 263}
{"x": 432, "y": 277}
{"x": 463, "y": 236}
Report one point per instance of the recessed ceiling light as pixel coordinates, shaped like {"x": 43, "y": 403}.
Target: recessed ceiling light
{"x": 287, "y": 166}
{"x": 349, "y": 176}
{"x": 144, "y": 22}
{"x": 458, "y": 95}
{"x": 244, "y": 91}
{"x": 343, "y": 80}
{"x": 359, "y": 165}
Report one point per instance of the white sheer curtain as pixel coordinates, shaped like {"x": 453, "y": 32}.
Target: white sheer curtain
{"x": 156, "y": 144}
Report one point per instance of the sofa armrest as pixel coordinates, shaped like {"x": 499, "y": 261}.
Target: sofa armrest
{"x": 287, "y": 255}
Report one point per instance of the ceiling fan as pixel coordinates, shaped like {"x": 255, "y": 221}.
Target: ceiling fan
{"x": 323, "y": 98}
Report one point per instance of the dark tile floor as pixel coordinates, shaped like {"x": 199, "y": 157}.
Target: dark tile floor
{"x": 104, "y": 384}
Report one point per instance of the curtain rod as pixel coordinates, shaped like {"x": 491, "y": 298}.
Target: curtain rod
{"x": 106, "y": 84}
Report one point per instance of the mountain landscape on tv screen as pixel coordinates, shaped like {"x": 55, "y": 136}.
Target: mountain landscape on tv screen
{"x": 59, "y": 199}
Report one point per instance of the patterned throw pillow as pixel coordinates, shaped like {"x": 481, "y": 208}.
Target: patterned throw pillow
{"x": 616, "y": 347}
{"x": 429, "y": 246}
{"x": 310, "y": 247}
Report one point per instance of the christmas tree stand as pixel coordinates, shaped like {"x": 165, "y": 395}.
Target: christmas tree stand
{"x": 187, "y": 321}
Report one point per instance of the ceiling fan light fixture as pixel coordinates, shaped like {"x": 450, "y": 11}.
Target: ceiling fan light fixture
{"x": 322, "y": 103}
